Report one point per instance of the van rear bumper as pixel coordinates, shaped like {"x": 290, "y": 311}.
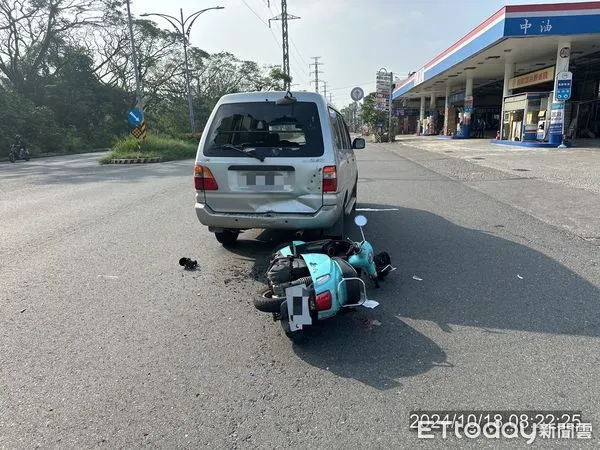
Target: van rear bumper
{"x": 324, "y": 218}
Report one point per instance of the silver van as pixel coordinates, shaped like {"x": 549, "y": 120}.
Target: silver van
{"x": 273, "y": 160}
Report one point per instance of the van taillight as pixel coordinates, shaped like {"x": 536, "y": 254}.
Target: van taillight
{"x": 329, "y": 179}
{"x": 204, "y": 179}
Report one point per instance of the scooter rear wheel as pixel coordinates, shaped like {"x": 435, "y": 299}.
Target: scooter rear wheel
{"x": 266, "y": 303}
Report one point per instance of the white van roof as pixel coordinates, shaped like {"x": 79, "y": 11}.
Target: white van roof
{"x": 271, "y": 96}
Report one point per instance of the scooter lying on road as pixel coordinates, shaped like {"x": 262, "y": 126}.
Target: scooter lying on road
{"x": 17, "y": 152}
{"x": 312, "y": 281}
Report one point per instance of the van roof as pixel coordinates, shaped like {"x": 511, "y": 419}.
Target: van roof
{"x": 271, "y": 96}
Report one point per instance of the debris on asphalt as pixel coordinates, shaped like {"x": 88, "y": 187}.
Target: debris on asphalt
{"x": 23, "y": 310}
{"x": 370, "y": 304}
{"x": 417, "y": 278}
{"x": 370, "y": 323}
{"x": 188, "y": 264}
{"x": 109, "y": 277}
{"x": 519, "y": 277}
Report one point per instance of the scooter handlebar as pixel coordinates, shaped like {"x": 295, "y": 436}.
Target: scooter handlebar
{"x": 354, "y": 248}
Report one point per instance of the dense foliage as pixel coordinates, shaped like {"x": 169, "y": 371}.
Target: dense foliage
{"x": 67, "y": 78}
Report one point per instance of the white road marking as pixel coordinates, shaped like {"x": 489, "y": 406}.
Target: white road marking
{"x": 377, "y": 209}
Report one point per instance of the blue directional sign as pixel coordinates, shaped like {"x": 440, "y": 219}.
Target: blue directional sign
{"x": 135, "y": 117}
{"x": 564, "y": 84}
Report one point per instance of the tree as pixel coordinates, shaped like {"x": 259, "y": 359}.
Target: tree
{"x": 28, "y": 29}
{"x": 372, "y": 117}
{"x": 352, "y": 114}
{"x": 67, "y": 77}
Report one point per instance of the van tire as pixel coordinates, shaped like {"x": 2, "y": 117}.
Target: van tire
{"x": 227, "y": 237}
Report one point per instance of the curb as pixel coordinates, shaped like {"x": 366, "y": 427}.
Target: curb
{"x": 135, "y": 160}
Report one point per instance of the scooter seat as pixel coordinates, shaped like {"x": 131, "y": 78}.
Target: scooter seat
{"x": 329, "y": 247}
{"x": 353, "y": 291}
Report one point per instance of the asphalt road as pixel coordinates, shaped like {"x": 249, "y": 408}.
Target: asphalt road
{"x": 106, "y": 342}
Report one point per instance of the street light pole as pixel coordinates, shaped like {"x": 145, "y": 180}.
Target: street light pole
{"x": 138, "y": 88}
{"x": 185, "y": 33}
{"x": 187, "y": 76}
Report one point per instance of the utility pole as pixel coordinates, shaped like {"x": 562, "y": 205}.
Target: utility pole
{"x": 138, "y": 87}
{"x": 316, "y": 72}
{"x": 325, "y": 88}
{"x": 284, "y": 17}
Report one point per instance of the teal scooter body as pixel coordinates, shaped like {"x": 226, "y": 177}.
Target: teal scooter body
{"x": 313, "y": 281}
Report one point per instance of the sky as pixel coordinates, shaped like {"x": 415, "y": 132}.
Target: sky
{"x": 353, "y": 38}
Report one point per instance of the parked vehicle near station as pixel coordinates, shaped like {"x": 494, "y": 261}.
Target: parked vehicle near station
{"x": 273, "y": 160}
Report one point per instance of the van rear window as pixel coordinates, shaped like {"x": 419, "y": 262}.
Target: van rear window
{"x": 268, "y": 129}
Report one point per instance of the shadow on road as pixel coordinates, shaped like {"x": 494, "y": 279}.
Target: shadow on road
{"x": 469, "y": 278}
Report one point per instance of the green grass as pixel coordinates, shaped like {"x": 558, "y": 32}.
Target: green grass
{"x": 169, "y": 149}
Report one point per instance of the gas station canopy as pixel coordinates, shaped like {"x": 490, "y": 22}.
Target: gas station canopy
{"x": 526, "y": 35}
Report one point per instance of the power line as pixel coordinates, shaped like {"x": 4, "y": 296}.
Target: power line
{"x": 364, "y": 83}
{"x": 272, "y": 34}
{"x": 254, "y": 12}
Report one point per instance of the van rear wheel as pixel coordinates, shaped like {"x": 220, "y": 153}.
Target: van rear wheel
{"x": 227, "y": 237}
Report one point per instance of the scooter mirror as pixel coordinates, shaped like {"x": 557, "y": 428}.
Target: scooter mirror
{"x": 361, "y": 221}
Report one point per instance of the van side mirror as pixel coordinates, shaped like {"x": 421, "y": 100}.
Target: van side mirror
{"x": 358, "y": 143}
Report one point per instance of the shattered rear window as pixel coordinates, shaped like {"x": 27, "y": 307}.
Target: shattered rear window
{"x": 269, "y": 129}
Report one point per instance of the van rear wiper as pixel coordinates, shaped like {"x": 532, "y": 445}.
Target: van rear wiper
{"x": 247, "y": 152}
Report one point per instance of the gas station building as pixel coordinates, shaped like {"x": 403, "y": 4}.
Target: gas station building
{"x": 531, "y": 73}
